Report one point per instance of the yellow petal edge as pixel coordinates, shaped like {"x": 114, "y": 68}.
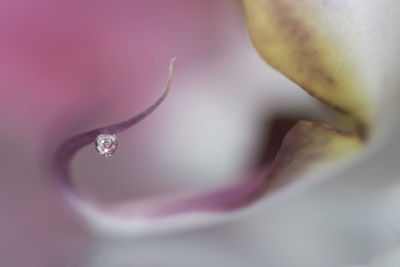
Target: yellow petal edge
{"x": 293, "y": 37}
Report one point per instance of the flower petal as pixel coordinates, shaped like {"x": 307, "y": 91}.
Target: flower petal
{"x": 334, "y": 50}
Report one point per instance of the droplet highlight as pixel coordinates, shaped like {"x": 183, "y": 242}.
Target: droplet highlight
{"x": 106, "y": 144}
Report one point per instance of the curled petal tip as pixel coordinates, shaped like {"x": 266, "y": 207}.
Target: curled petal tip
{"x": 66, "y": 151}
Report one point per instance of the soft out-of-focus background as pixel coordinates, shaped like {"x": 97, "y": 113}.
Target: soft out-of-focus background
{"x": 69, "y": 66}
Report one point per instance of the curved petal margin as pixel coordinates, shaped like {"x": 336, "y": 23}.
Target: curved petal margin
{"x": 306, "y": 41}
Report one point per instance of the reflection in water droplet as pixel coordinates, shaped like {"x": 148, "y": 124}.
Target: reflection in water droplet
{"x": 106, "y": 144}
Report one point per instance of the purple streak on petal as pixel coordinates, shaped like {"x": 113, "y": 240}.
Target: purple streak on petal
{"x": 69, "y": 147}
{"x": 229, "y": 198}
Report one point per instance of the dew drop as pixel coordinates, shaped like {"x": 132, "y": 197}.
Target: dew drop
{"x": 106, "y": 144}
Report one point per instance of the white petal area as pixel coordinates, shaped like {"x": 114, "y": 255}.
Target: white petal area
{"x": 389, "y": 259}
{"x": 368, "y": 33}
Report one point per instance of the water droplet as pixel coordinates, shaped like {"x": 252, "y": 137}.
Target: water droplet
{"x": 106, "y": 144}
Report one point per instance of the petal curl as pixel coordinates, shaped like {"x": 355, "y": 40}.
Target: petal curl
{"x": 304, "y": 40}
{"x": 308, "y": 146}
